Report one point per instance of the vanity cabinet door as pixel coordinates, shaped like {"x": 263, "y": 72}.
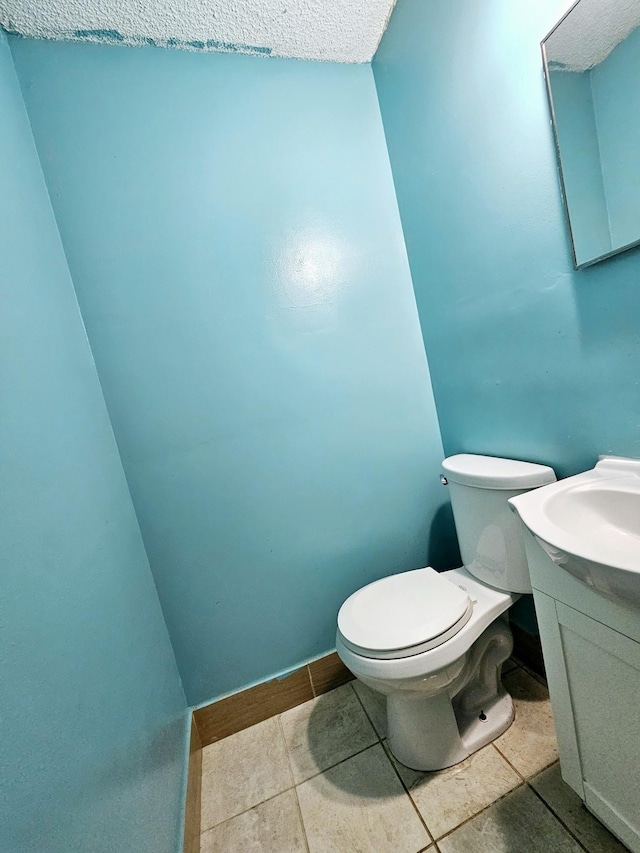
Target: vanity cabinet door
{"x": 603, "y": 679}
{"x": 559, "y": 692}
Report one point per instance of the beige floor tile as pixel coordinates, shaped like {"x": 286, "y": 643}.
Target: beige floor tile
{"x": 447, "y": 798}
{"x": 272, "y": 827}
{"x": 530, "y": 743}
{"x": 519, "y": 823}
{"x": 243, "y": 770}
{"x": 375, "y": 704}
{"x": 360, "y": 807}
{"x": 325, "y": 731}
{"x": 568, "y": 806}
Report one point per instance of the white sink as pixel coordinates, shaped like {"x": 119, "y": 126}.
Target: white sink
{"x": 589, "y": 525}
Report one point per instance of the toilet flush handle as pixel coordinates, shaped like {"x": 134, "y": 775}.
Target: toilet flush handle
{"x": 444, "y": 480}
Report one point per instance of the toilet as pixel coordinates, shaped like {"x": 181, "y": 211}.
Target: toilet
{"x": 434, "y": 643}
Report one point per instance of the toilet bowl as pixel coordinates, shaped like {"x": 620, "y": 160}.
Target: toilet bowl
{"x": 434, "y": 643}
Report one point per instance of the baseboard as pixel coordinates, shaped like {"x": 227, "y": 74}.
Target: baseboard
{"x": 248, "y": 707}
{"x": 528, "y": 649}
{"x": 192, "y": 804}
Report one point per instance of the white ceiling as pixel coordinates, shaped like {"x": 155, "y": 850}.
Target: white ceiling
{"x": 590, "y": 32}
{"x": 330, "y": 30}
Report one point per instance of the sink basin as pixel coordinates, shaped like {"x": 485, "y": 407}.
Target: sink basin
{"x": 589, "y": 525}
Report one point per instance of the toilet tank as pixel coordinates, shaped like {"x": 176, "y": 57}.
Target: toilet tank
{"x": 489, "y": 533}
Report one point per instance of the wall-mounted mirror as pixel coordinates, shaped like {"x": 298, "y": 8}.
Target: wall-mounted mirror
{"x": 592, "y": 68}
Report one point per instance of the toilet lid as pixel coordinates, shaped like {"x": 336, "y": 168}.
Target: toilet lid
{"x": 403, "y": 615}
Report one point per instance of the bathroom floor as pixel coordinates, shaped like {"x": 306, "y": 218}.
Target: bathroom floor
{"x": 320, "y": 778}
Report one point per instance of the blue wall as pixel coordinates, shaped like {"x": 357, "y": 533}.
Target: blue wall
{"x": 528, "y": 357}
{"x": 232, "y": 230}
{"x": 93, "y": 715}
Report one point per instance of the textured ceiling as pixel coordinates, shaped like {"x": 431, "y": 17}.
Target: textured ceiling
{"x": 590, "y": 32}
{"x": 330, "y": 30}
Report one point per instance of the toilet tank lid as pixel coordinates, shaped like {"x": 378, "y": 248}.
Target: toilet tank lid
{"x": 492, "y": 472}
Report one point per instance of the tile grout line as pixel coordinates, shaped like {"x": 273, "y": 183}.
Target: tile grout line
{"x": 290, "y": 787}
{"x": 504, "y": 758}
{"x": 387, "y": 751}
{"x": 332, "y": 766}
{"x": 515, "y": 769}
{"x": 304, "y": 828}
{"x": 379, "y": 740}
{"x": 521, "y": 777}
{"x": 523, "y": 781}
{"x": 286, "y": 748}
{"x": 557, "y": 816}
{"x": 244, "y": 811}
{"x": 366, "y": 713}
{"x": 434, "y": 841}
{"x": 523, "y": 784}
{"x": 494, "y": 743}
{"x": 469, "y": 819}
{"x": 312, "y": 685}
{"x": 294, "y": 783}
{"x": 295, "y": 787}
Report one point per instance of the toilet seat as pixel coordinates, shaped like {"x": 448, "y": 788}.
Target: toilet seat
{"x": 403, "y": 615}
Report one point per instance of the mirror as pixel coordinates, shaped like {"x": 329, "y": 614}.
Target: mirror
{"x": 592, "y": 68}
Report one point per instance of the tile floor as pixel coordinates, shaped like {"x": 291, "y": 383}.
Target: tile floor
{"x": 319, "y": 778}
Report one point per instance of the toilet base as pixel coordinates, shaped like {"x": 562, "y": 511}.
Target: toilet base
{"x": 413, "y": 722}
{"x": 437, "y": 731}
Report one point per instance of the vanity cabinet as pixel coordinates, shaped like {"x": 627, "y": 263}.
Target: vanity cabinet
{"x": 591, "y": 648}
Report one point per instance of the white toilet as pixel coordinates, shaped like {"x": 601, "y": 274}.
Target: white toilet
{"x": 433, "y": 643}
